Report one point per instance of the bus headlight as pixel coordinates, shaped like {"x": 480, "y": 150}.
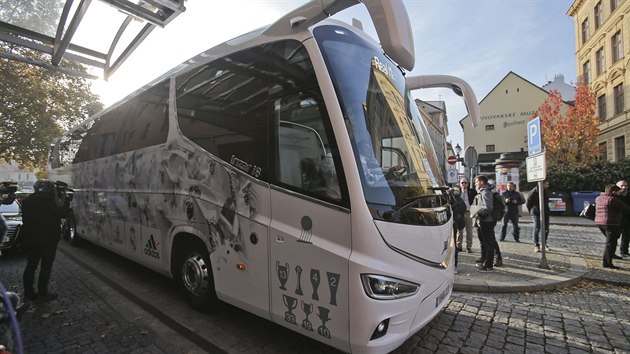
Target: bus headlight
{"x": 386, "y": 288}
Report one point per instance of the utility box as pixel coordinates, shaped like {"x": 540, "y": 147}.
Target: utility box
{"x": 582, "y": 199}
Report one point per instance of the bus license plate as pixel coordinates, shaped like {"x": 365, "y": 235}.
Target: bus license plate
{"x": 442, "y": 296}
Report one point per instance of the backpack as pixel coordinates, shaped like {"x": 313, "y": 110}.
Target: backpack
{"x": 498, "y": 207}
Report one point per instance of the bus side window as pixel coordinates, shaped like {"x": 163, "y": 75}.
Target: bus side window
{"x": 304, "y": 161}
{"x": 147, "y": 122}
{"x": 222, "y": 108}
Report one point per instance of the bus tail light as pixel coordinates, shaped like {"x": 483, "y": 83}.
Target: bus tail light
{"x": 381, "y": 287}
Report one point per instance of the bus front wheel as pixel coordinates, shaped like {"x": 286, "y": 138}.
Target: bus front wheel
{"x": 194, "y": 275}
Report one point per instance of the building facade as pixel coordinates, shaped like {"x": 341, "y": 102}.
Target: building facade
{"x": 505, "y": 111}
{"x": 602, "y": 29}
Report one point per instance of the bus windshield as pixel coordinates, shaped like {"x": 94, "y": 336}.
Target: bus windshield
{"x": 393, "y": 151}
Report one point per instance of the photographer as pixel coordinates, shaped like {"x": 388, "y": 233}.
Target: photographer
{"x": 41, "y": 215}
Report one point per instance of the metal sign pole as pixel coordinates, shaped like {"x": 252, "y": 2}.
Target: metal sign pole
{"x": 543, "y": 238}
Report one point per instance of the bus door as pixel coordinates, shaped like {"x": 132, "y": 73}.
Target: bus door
{"x": 310, "y": 230}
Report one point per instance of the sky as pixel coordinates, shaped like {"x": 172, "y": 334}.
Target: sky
{"x": 480, "y": 41}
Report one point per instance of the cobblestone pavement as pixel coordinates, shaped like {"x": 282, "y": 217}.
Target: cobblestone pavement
{"x": 88, "y": 317}
{"x": 110, "y": 305}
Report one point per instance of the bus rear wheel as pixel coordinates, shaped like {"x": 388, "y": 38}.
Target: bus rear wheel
{"x": 194, "y": 275}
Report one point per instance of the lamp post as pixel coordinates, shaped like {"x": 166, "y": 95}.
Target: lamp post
{"x": 458, "y": 150}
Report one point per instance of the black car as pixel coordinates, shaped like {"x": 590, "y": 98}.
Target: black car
{"x": 12, "y": 213}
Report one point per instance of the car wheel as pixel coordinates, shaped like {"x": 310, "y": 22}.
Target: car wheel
{"x": 193, "y": 273}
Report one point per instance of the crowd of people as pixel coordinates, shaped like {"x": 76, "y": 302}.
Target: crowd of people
{"x": 472, "y": 208}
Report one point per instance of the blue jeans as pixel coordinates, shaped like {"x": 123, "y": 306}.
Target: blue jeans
{"x": 510, "y": 217}
{"x": 536, "y": 219}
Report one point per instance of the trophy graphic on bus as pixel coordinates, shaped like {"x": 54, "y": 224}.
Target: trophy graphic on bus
{"x": 291, "y": 304}
{"x": 308, "y": 309}
{"x": 283, "y": 273}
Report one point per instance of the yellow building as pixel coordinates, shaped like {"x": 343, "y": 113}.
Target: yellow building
{"x": 505, "y": 111}
{"x": 602, "y": 29}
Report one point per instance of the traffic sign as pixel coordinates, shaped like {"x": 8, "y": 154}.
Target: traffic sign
{"x": 452, "y": 176}
{"x": 471, "y": 156}
{"x": 534, "y": 137}
{"x": 536, "y": 168}
{"x": 452, "y": 160}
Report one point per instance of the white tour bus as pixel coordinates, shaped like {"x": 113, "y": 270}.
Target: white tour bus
{"x": 287, "y": 172}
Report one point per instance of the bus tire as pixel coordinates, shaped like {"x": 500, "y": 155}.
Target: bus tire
{"x": 193, "y": 273}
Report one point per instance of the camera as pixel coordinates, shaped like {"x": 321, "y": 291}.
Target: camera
{"x": 7, "y": 192}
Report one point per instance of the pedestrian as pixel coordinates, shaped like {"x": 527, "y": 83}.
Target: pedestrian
{"x": 609, "y": 209}
{"x": 459, "y": 209}
{"x": 625, "y": 221}
{"x": 468, "y": 195}
{"x": 513, "y": 201}
{"x": 41, "y": 217}
{"x": 480, "y": 213}
{"x": 533, "y": 206}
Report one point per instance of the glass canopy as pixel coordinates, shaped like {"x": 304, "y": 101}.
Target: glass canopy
{"x": 99, "y": 34}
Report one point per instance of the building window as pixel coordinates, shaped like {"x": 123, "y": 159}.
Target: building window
{"x": 614, "y": 4}
{"x": 601, "y": 107}
{"x": 600, "y": 60}
{"x": 586, "y": 34}
{"x": 618, "y": 94}
{"x": 603, "y": 151}
{"x": 617, "y": 47}
{"x": 598, "y": 15}
{"x": 586, "y": 72}
{"x": 490, "y": 127}
{"x": 620, "y": 148}
{"x": 489, "y": 148}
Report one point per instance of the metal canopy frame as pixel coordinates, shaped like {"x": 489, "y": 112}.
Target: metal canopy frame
{"x": 154, "y": 12}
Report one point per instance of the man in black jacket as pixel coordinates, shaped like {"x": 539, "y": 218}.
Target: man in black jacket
{"x": 533, "y": 206}
{"x": 41, "y": 217}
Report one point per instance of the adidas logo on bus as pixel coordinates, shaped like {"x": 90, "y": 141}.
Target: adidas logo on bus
{"x": 151, "y": 248}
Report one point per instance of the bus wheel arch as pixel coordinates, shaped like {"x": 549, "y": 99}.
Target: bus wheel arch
{"x": 192, "y": 271}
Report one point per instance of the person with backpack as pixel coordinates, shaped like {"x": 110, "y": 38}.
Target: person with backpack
{"x": 513, "y": 200}
{"x": 533, "y": 206}
{"x": 480, "y": 212}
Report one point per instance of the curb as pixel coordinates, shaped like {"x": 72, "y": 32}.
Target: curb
{"x": 577, "y": 270}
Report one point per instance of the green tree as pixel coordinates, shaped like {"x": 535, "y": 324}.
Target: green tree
{"x": 37, "y": 105}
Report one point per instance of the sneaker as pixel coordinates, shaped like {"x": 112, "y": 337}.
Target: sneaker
{"x": 456, "y": 271}
{"x": 47, "y": 297}
{"x": 498, "y": 262}
{"x": 614, "y": 256}
{"x": 625, "y": 255}
{"x": 517, "y": 240}
{"x": 547, "y": 248}
{"x": 502, "y": 239}
{"x": 537, "y": 249}
{"x": 469, "y": 250}
{"x": 459, "y": 248}
{"x": 485, "y": 269}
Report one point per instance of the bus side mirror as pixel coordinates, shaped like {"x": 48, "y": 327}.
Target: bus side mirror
{"x": 459, "y": 86}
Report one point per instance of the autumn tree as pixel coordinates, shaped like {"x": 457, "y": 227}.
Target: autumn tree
{"x": 570, "y": 137}
{"x": 37, "y": 104}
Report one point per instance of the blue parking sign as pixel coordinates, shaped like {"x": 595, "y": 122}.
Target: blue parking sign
{"x": 534, "y": 137}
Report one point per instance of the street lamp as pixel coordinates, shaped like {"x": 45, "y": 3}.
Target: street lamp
{"x": 458, "y": 149}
